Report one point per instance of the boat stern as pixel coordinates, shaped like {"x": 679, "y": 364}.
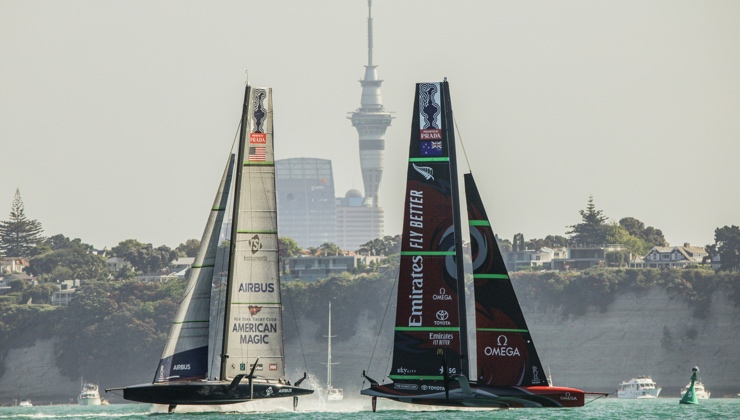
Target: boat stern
{"x": 559, "y": 396}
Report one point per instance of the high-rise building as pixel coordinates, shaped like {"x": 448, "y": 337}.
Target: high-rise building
{"x": 306, "y": 201}
{"x": 371, "y": 120}
{"x": 358, "y": 221}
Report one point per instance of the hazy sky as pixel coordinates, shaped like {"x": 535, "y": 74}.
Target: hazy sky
{"x": 116, "y": 117}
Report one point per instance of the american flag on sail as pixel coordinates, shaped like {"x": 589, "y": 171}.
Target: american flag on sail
{"x": 257, "y": 154}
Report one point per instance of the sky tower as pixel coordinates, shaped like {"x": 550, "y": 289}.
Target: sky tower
{"x": 371, "y": 121}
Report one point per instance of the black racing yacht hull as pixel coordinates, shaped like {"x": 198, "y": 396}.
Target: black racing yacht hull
{"x": 207, "y": 393}
{"x": 479, "y": 396}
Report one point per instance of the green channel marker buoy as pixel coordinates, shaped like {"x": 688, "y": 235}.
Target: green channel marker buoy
{"x": 690, "y": 396}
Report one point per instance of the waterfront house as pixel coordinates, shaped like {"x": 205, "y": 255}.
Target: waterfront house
{"x": 675, "y": 257}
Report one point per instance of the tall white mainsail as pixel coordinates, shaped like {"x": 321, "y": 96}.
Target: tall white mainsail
{"x": 185, "y": 356}
{"x": 254, "y": 326}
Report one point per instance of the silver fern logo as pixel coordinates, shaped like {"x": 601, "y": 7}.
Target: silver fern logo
{"x": 425, "y": 171}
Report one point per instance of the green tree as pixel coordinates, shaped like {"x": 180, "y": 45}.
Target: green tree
{"x": 16, "y": 284}
{"x": 651, "y": 236}
{"x": 386, "y": 245}
{"x": 504, "y": 244}
{"x": 593, "y": 229}
{"x": 654, "y": 237}
{"x": 80, "y": 263}
{"x": 550, "y": 241}
{"x": 57, "y": 242}
{"x": 39, "y": 294}
{"x": 727, "y": 247}
{"x": 330, "y": 248}
{"x": 126, "y": 322}
{"x": 19, "y": 235}
{"x": 619, "y": 235}
{"x": 633, "y": 226}
{"x": 287, "y": 247}
{"x": 188, "y": 249}
{"x": 125, "y": 273}
{"x": 60, "y": 273}
{"x": 518, "y": 243}
{"x": 144, "y": 257}
{"x": 60, "y": 241}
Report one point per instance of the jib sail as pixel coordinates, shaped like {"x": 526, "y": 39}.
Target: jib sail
{"x": 505, "y": 350}
{"x": 185, "y": 355}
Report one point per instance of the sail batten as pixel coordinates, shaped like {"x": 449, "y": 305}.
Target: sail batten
{"x": 428, "y": 253}
{"x": 427, "y": 328}
{"x": 442, "y": 159}
{"x": 491, "y": 276}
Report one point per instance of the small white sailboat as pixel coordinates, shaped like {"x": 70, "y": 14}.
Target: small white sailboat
{"x": 25, "y": 403}
{"x": 332, "y": 394}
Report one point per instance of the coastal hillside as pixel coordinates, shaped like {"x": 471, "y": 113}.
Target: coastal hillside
{"x": 593, "y": 329}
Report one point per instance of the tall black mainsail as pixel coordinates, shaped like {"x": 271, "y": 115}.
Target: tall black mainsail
{"x": 430, "y": 350}
{"x": 427, "y": 332}
{"x": 226, "y": 341}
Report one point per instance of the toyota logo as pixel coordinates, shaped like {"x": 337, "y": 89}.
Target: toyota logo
{"x": 442, "y": 315}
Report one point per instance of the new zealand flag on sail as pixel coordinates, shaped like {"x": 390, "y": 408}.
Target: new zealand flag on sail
{"x": 431, "y": 148}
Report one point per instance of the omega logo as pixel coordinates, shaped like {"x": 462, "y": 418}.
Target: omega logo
{"x": 568, "y": 397}
{"x": 502, "y": 348}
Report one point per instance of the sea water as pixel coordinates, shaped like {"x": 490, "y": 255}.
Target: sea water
{"x": 359, "y": 408}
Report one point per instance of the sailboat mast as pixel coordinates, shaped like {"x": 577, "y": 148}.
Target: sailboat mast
{"x": 328, "y": 357}
{"x": 456, "y": 217}
{"x": 232, "y": 246}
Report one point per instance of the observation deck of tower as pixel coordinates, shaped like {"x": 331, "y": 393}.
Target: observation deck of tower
{"x": 371, "y": 120}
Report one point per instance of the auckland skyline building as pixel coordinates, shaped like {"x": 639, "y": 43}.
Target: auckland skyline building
{"x": 306, "y": 200}
{"x": 371, "y": 120}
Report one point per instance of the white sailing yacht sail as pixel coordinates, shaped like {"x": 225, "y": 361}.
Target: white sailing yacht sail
{"x": 332, "y": 394}
{"x": 229, "y": 325}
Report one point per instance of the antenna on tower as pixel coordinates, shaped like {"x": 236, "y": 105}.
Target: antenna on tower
{"x": 369, "y": 32}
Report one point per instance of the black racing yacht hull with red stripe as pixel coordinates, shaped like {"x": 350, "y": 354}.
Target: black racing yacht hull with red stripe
{"x": 480, "y": 396}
